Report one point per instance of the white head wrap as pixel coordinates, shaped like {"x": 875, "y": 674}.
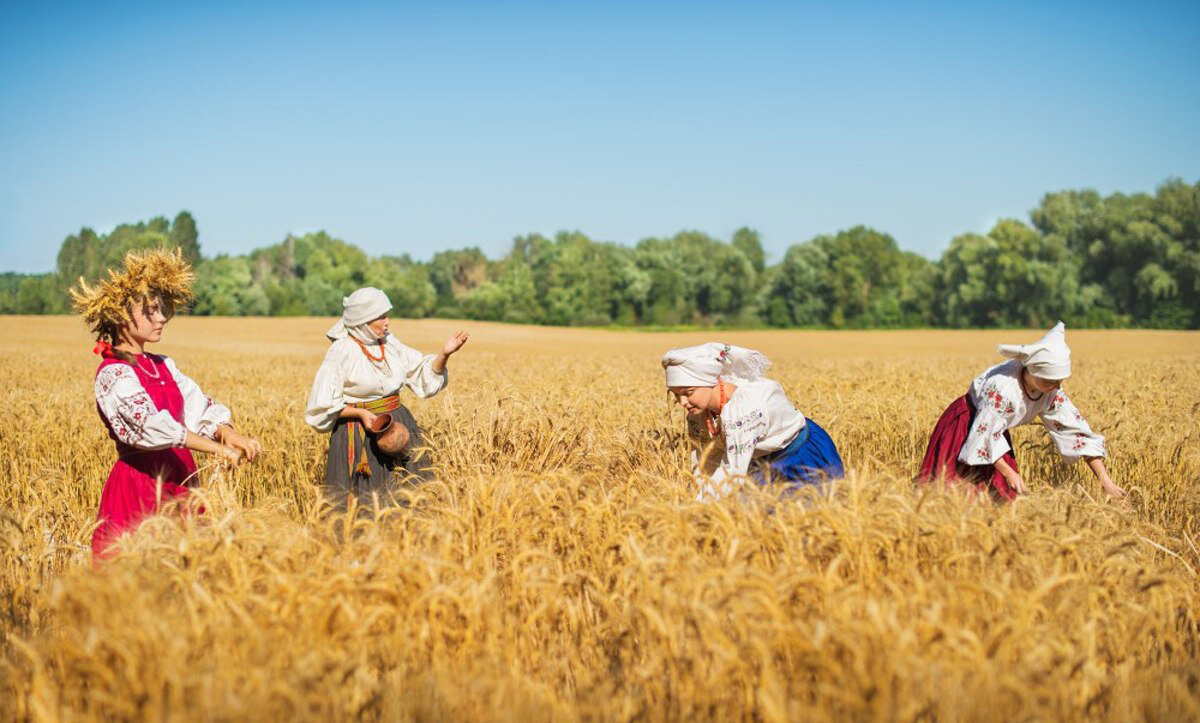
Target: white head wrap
{"x": 703, "y": 365}
{"x": 1047, "y": 358}
{"x": 364, "y": 305}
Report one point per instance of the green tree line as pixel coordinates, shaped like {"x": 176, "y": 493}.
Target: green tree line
{"x": 1092, "y": 260}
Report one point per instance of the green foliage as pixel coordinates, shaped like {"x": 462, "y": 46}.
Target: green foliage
{"x": 1014, "y": 276}
{"x": 694, "y": 278}
{"x": 797, "y": 295}
{"x": 1091, "y": 260}
{"x": 1141, "y": 251}
{"x": 32, "y": 294}
{"x": 747, "y": 241}
{"x": 9, "y": 283}
{"x": 406, "y": 284}
{"x": 857, "y": 278}
{"x": 88, "y": 254}
{"x": 227, "y": 288}
{"x": 184, "y": 234}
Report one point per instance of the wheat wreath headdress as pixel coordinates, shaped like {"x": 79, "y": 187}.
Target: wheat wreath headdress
{"x": 153, "y": 273}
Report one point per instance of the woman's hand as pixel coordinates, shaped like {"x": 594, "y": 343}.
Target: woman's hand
{"x": 1112, "y": 489}
{"x": 231, "y": 456}
{"x": 225, "y": 453}
{"x": 455, "y": 342}
{"x": 249, "y": 446}
{"x": 452, "y": 345}
{"x": 1106, "y": 483}
{"x": 1011, "y": 476}
{"x": 368, "y": 418}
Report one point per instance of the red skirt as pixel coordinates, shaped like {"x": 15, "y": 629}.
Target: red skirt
{"x": 947, "y": 440}
{"x": 138, "y": 484}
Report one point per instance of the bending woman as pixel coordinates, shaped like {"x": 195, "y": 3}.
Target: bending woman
{"x": 760, "y": 434}
{"x": 359, "y": 381}
{"x": 971, "y": 441}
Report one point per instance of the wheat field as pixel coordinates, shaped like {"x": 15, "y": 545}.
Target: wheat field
{"x": 559, "y": 567}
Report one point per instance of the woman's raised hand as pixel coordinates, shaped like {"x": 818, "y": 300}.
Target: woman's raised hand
{"x": 455, "y": 342}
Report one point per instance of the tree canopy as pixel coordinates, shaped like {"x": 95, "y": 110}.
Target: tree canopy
{"x": 1092, "y": 260}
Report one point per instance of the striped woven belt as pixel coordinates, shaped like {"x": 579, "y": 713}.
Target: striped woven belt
{"x": 356, "y": 438}
{"x": 381, "y": 405}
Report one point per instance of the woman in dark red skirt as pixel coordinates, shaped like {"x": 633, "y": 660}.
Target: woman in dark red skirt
{"x": 971, "y": 441}
{"x": 154, "y": 414}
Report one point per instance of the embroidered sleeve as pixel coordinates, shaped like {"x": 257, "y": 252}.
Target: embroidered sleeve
{"x": 743, "y": 426}
{"x": 419, "y": 374}
{"x": 995, "y": 415}
{"x": 130, "y": 412}
{"x": 743, "y": 432}
{"x": 1070, "y": 431}
{"x": 201, "y": 414}
{"x": 325, "y": 399}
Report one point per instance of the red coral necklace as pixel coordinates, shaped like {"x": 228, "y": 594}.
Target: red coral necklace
{"x": 365, "y": 350}
{"x": 722, "y": 397}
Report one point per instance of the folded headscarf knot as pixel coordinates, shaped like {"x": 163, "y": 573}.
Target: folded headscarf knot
{"x": 1047, "y": 358}
{"x": 704, "y": 364}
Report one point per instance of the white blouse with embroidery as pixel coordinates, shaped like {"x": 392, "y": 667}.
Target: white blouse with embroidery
{"x": 756, "y": 420}
{"x": 137, "y": 422}
{"x": 1001, "y": 404}
{"x": 348, "y": 376}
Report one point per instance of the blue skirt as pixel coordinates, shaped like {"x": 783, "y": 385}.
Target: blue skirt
{"x": 810, "y": 458}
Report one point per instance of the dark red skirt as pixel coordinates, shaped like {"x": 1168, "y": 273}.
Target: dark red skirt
{"x": 947, "y": 440}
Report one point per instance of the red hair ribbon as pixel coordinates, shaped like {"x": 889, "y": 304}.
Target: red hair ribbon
{"x": 103, "y": 348}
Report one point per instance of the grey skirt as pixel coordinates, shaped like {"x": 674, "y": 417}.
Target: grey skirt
{"x": 346, "y": 476}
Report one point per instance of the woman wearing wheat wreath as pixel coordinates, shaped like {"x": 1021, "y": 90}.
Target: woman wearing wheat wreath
{"x": 155, "y": 414}
{"x": 357, "y": 390}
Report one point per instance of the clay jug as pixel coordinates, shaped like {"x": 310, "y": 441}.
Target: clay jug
{"x": 391, "y": 437}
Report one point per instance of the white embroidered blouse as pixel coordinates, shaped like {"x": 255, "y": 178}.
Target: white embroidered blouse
{"x": 348, "y": 376}
{"x": 138, "y": 422}
{"x": 1001, "y": 404}
{"x": 756, "y": 420}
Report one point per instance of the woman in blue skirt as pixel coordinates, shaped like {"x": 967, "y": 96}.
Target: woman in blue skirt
{"x": 755, "y": 431}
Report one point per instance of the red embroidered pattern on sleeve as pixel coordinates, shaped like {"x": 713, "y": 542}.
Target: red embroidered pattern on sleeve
{"x": 998, "y": 400}
{"x": 133, "y": 411}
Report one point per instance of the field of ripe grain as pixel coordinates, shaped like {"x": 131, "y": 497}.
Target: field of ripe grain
{"x": 560, "y": 569}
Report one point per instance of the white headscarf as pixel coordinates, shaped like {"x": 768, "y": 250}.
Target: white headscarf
{"x": 1047, "y": 358}
{"x": 703, "y": 365}
{"x": 363, "y": 306}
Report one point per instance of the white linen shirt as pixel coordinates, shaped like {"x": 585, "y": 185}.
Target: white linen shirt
{"x": 1001, "y": 405}
{"x": 347, "y": 376}
{"x": 137, "y": 422}
{"x": 756, "y": 420}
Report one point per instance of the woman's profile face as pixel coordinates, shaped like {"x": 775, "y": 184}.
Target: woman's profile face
{"x": 147, "y": 321}
{"x": 379, "y": 327}
{"x": 696, "y": 400}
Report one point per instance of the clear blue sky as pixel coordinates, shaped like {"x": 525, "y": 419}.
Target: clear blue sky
{"x": 412, "y": 128}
